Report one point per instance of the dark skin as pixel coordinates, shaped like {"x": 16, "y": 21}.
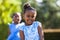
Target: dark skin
{"x": 16, "y": 19}
{"x": 40, "y": 31}
{"x": 22, "y": 37}
{"x": 8, "y": 31}
{"x": 29, "y": 17}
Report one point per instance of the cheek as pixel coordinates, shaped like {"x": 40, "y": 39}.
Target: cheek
{"x": 25, "y": 18}
{"x": 33, "y": 19}
{"x": 14, "y": 20}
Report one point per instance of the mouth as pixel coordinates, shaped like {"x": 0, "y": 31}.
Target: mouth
{"x": 30, "y": 21}
{"x": 17, "y": 20}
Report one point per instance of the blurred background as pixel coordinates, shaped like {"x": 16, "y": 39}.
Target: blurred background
{"x": 48, "y": 14}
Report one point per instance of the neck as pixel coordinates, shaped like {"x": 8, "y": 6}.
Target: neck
{"x": 27, "y": 24}
{"x": 16, "y": 22}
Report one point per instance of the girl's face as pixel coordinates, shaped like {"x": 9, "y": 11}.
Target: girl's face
{"x": 29, "y": 17}
{"x": 17, "y": 18}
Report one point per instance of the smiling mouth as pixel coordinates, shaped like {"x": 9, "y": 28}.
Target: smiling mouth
{"x": 30, "y": 21}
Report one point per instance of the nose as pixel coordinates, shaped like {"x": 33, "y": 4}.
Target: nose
{"x": 30, "y": 17}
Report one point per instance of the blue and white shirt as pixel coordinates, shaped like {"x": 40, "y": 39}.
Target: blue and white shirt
{"x": 31, "y": 31}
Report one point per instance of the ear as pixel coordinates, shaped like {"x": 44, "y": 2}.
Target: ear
{"x": 23, "y": 16}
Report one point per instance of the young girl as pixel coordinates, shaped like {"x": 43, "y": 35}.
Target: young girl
{"x": 14, "y": 31}
{"x": 31, "y": 30}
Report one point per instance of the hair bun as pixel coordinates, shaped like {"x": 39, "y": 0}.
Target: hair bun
{"x": 27, "y": 5}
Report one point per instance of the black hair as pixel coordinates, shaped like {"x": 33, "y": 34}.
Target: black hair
{"x": 27, "y": 6}
{"x": 14, "y": 13}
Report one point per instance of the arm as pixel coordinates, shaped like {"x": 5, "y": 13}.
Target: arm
{"x": 8, "y": 31}
{"x": 22, "y": 35}
{"x": 40, "y": 31}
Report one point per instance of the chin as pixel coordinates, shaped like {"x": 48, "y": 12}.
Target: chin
{"x": 30, "y": 24}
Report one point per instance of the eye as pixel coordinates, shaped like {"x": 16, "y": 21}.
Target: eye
{"x": 28, "y": 16}
{"x": 32, "y": 16}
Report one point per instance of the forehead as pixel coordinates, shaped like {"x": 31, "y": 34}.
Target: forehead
{"x": 17, "y": 14}
{"x": 30, "y": 12}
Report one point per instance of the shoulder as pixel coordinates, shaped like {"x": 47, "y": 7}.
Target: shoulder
{"x": 22, "y": 23}
{"x": 21, "y": 26}
{"x": 10, "y": 25}
{"x": 38, "y": 23}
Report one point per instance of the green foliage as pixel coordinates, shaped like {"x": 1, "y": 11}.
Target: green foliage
{"x": 7, "y": 7}
{"x": 48, "y": 13}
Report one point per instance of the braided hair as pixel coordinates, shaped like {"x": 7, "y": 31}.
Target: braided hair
{"x": 27, "y": 6}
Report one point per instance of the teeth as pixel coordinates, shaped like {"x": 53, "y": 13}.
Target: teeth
{"x": 30, "y": 21}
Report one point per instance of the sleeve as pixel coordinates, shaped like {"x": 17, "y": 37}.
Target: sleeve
{"x": 38, "y": 24}
{"x": 21, "y": 28}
